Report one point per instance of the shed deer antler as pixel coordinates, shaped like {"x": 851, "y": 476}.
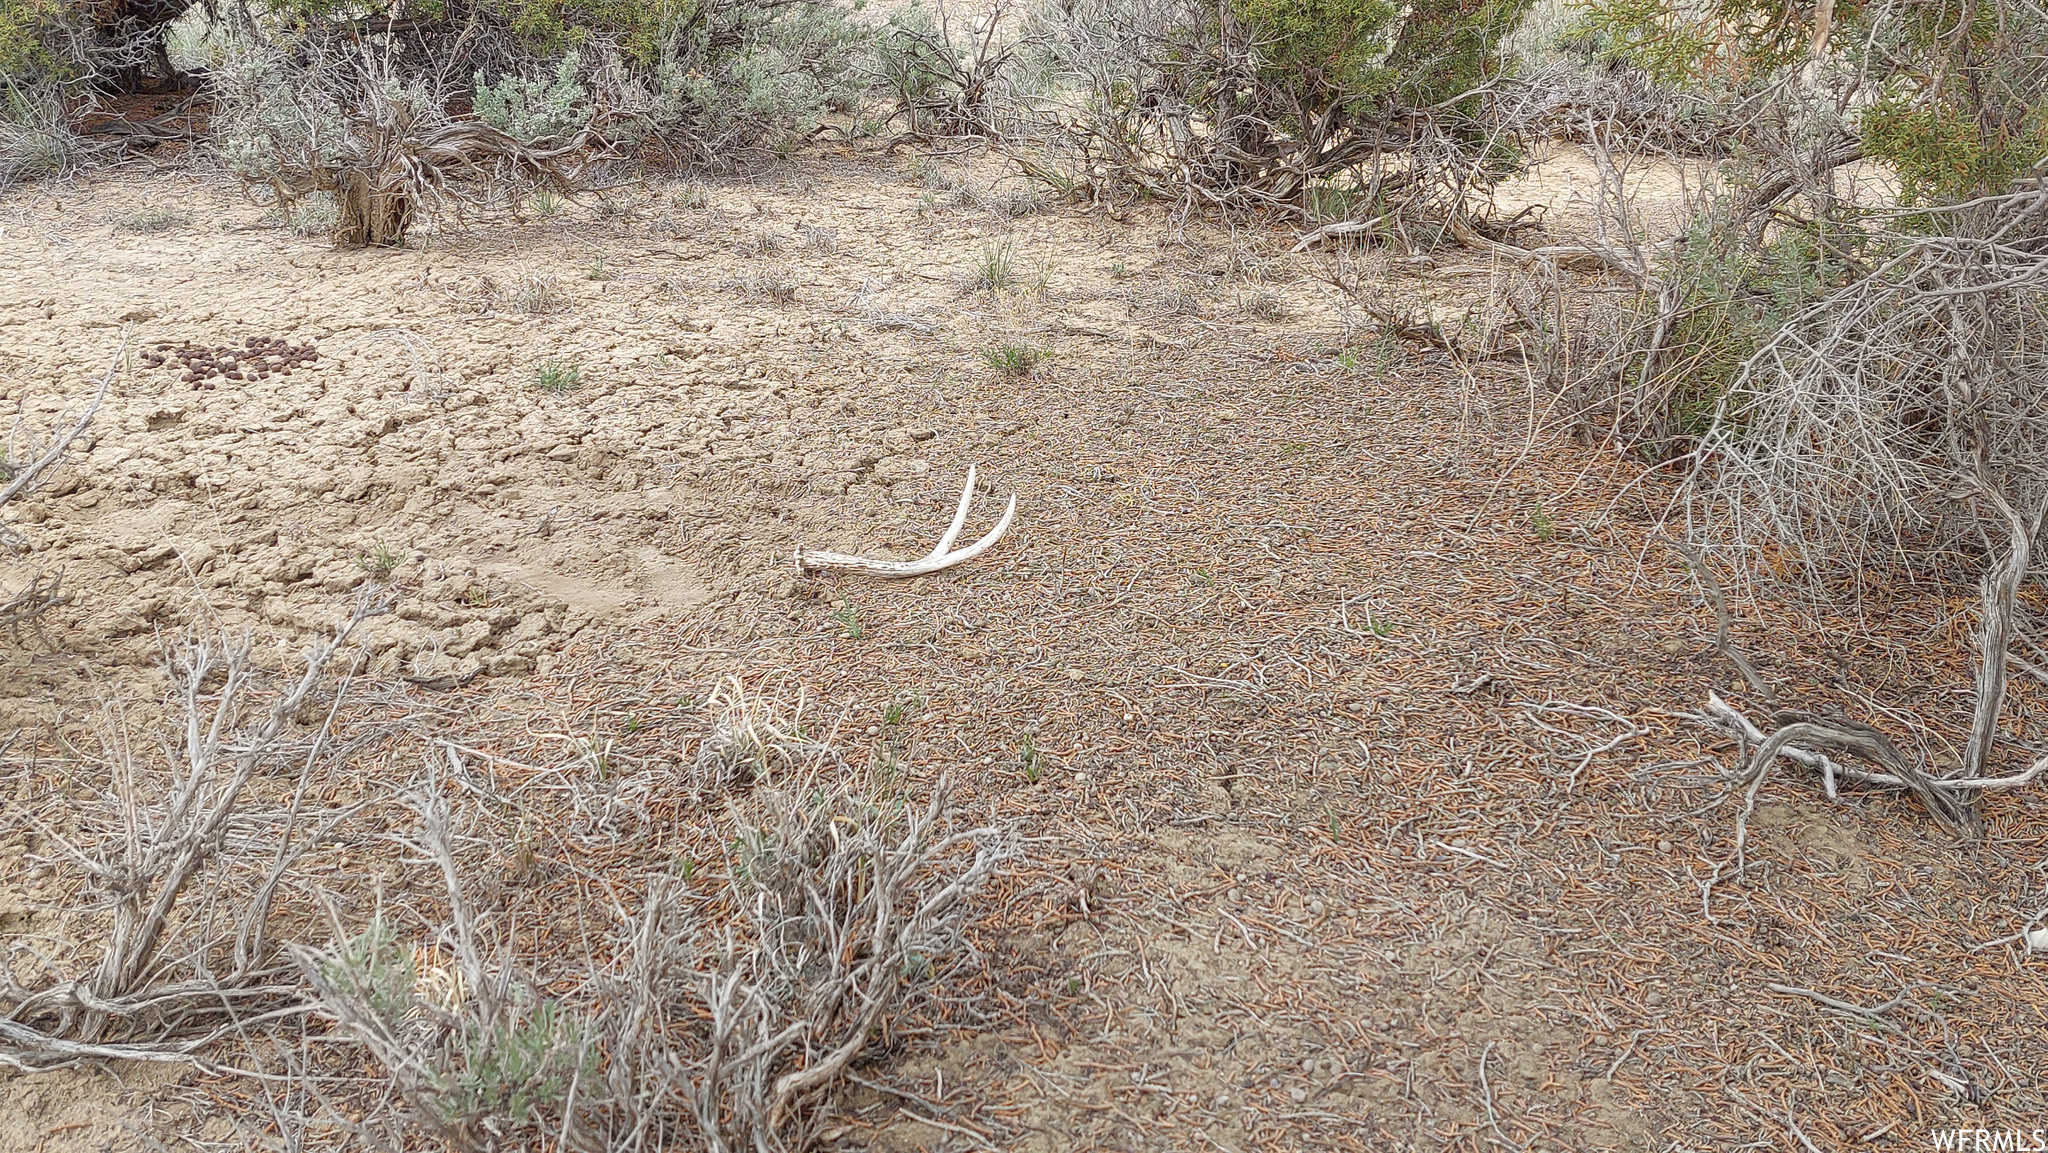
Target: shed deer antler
{"x": 816, "y": 560}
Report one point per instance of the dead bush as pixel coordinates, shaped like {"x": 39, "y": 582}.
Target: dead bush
{"x": 722, "y": 1012}
{"x": 181, "y": 869}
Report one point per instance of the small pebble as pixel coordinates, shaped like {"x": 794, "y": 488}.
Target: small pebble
{"x": 1130, "y": 718}
{"x": 1299, "y": 1095}
{"x": 1308, "y": 1064}
{"x": 1663, "y": 846}
{"x": 1076, "y": 674}
{"x": 872, "y": 730}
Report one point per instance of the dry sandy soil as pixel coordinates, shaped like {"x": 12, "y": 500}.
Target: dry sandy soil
{"x": 1343, "y": 706}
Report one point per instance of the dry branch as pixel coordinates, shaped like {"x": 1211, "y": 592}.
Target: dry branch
{"x": 1896, "y": 423}
{"x": 169, "y": 981}
{"x": 718, "y": 1017}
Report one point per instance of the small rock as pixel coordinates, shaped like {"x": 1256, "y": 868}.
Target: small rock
{"x": 1300, "y": 1095}
{"x": 1654, "y": 998}
{"x": 1675, "y": 647}
{"x": 1663, "y": 846}
{"x": 1076, "y": 675}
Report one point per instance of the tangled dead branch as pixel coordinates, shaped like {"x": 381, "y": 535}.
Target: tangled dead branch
{"x": 168, "y": 848}
{"x": 1886, "y": 424}
{"x": 723, "y": 1014}
{"x": 1895, "y": 425}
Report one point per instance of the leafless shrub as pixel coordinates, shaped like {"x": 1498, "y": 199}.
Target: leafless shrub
{"x": 1577, "y": 96}
{"x": 948, "y": 81}
{"x": 1883, "y": 425}
{"x": 1894, "y": 425}
{"x": 35, "y": 139}
{"x": 167, "y": 850}
{"x": 722, "y": 1012}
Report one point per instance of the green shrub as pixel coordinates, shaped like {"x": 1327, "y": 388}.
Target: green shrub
{"x": 1733, "y": 296}
{"x": 24, "y": 57}
{"x": 557, "y": 376}
{"x": 1014, "y": 359}
{"x": 748, "y": 75}
{"x": 1946, "y": 152}
{"x": 532, "y": 111}
{"x": 1272, "y": 99}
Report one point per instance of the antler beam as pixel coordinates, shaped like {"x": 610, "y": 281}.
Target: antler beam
{"x": 818, "y": 560}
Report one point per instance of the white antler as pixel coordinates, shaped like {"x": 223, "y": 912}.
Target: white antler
{"x": 815, "y": 560}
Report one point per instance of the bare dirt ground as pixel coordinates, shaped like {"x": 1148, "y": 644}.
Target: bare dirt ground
{"x": 1341, "y": 703}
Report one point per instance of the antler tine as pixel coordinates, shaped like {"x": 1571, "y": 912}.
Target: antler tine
{"x": 814, "y": 560}
{"x": 959, "y": 518}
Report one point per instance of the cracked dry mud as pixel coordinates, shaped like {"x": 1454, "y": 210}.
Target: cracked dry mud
{"x": 417, "y": 451}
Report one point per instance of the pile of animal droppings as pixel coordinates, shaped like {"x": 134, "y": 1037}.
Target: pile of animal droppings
{"x": 254, "y": 359}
